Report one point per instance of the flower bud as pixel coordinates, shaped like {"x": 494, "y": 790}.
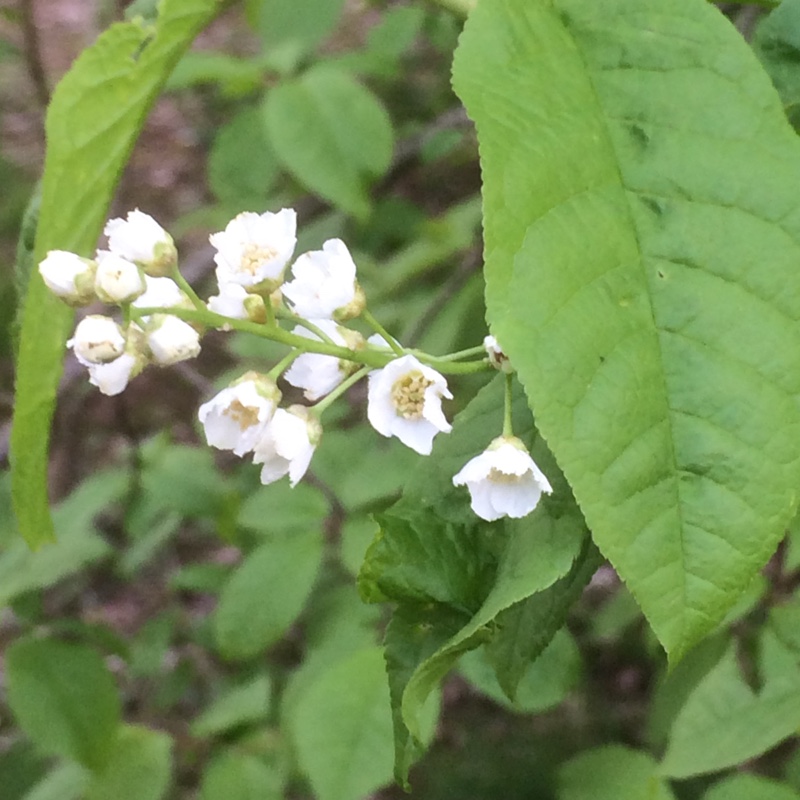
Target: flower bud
{"x": 171, "y": 340}
{"x": 139, "y": 238}
{"x": 497, "y": 358}
{"x": 69, "y": 276}
{"x": 97, "y": 340}
{"x": 117, "y": 280}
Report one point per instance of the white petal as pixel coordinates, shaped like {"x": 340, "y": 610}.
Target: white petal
{"x": 60, "y": 269}
{"x": 516, "y": 499}
{"x": 235, "y": 419}
{"x": 418, "y": 434}
{"x": 113, "y": 377}
{"x": 481, "y": 501}
{"x": 97, "y": 340}
{"x": 160, "y": 293}
{"x": 136, "y": 237}
{"x": 172, "y": 340}
{"x": 230, "y": 301}
{"x": 117, "y": 279}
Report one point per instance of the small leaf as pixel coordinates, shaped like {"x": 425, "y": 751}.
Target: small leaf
{"x": 644, "y": 286}
{"x": 140, "y": 767}
{"x": 266, "y": 593}
{"x": 613, "y": 772}
{"x": 238, "y": 776}
{"x": 92, "y": 122}
{"x": 306, "y": 22}
{"x": 64, "y": 699}
{"x": 279, "y": 510}
{"x": 332, "y": 134}
{"x": 341, "y": 728}
{"x": 750, "y": 787}
{"x": 240, "y": 705}
{"x": 67, "y": 781}
{"x": 724, "y": 722}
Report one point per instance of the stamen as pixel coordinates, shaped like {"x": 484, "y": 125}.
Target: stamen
{"x": 254, "y": 257}
{"x": 245, "y": 416}
{"x": 408, "y": 394}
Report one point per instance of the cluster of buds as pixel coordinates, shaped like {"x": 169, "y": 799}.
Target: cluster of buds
{"x": 163, "y": 319}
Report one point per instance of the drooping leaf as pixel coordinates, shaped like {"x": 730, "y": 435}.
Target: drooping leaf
{"x": 332, "y": 134}
{"x": 140, "y": 767}
{"x": 266, "y": 593}
{"x": 64, "y": 698}
{"x": 613, "y": 772}
{"x": 724, "y": 722}
{"x": 642, "y": 235}
{"x": 454, "y": 576}
{"x": 94, "y": 117}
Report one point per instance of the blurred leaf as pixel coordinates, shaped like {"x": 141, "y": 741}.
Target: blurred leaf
{"x": 140, "y": 767}
{"x": 777, "y": 44}
{"x": 239, "y": 705}
{"x": 341, "y": 728}
{"x": 304, "y": 22}
{"x": 23, "y": 570}
{"x": 724, "y": 722}
{"x": 266, "y": 594}
{"x": 277, "y": 510}
{"x": 243, "y": 183}
{"x": 116, "y": 79}
{"x": 64, "y": 782}
{"x": 443, "y": 565}
{"x": 648, "y": 301}
{"x": 545, "y": 683}
{"x": 206, "y": 578}
{"x": 21, "y": 766}
{"x": 151, "y": 644}
{"x": 64, "y": 699}
{"x": 332, "y": 134}
{"x": 357, "y": 535}
{"x": 784, "y": 620}
{"x": 238, "y": 776}
{"x": 383, "y": 465}
{"x": 613, "y": 772}
{"x": 750, "y": 787}
{"x": 235, "y": 77}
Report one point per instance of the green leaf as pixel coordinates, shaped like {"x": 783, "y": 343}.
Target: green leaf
{"x": 266, "y": 593}
{"x": 238, "y": 776}
{"x": 279, "y": 510}
{"x": 644, "y": 283}
{"x": 65, "y": 782}
{"x": 23, "y": 570}
{"x": 332, "y": 134}
{"x": 94, "y": 117}
{"x": 613, "y": 772}
{"x": 544, "y": 684}
{"x": 724, "y": 722}
{"x": 341, "y": 728}
{"x": 750, "y": 787}
{"x": 140, "y": 767}
{"x": 240, "y": 705}
{"x": 455, "y": 575}
{"x": 777, "y": 44}
{"x": 243, "y": 183}
{"x": 64, "y": 698}
{"x": 304, "y": 22}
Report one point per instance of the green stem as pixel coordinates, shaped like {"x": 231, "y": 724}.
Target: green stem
{"x": 379, "y": 329}
{"x": 304, "y": 323}
{"x": 508, "y": 430}
{"x": 320, "y": 407}
{"x": 187, "y": 289}
{"x": 283, "y": 365}
{"x": 457, "y": 356}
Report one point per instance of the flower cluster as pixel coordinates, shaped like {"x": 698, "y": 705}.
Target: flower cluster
{"x": 163, "y": 320}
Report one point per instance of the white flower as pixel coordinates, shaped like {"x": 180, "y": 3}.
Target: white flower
{"x": 171, "y": 340}
{"x": 161, "y": 293}
{"x": 117, "y": 280}
{"x": 287, "y": 444}
{"x": 497, "y": 358}
{"x": 97, "y": 340}
{"x": 236, "y": 417}
{"x": 254, "y": 249}
{"x": 324, "y": 284}
{"x": 140, "y": 239}
{"x": 503, "y": 481}
{"x": 113, "y": 377}
{"x": 69, "y": 276}
{"x": 317, "y": 374}
{"x": 405, "y": 400}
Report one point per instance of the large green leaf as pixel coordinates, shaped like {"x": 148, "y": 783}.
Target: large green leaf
{"x": 93, "y": 120}
{"x": 64, "y": 698}
{"x": 750, "y": 787}
{"x": 642, "y": 230}
{"x": 455, "y": 576}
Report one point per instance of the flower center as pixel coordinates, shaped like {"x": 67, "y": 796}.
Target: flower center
{"x": 497, "y": 476}
{"x": 244, "y": 416}
{"x": 408, "y": 394}
{"x": 254, "y": 257}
